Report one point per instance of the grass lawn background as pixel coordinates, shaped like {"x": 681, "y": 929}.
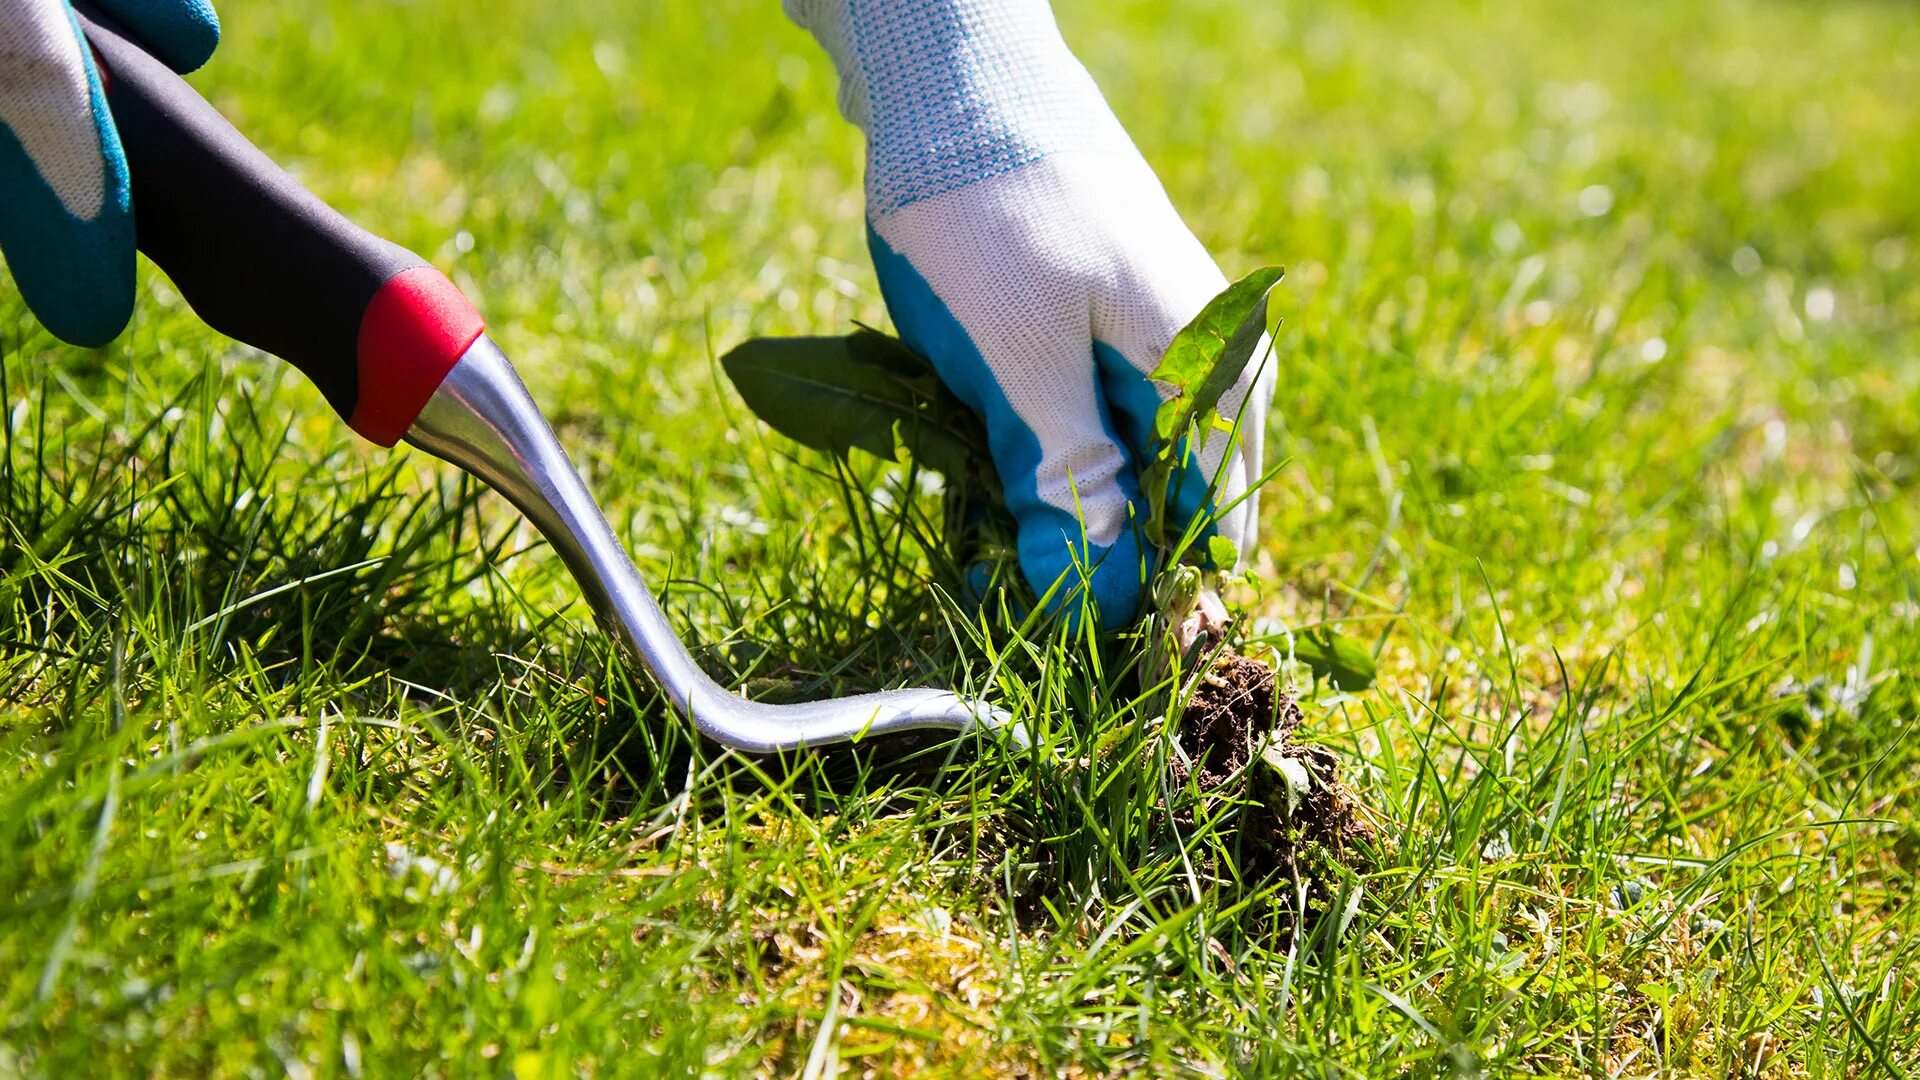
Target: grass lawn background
{"x": 1600, "y": 382}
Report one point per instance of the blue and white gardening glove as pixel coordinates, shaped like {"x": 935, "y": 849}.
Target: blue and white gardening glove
{"x": 1026, "y": 248}
{"x": 66, "y": 214}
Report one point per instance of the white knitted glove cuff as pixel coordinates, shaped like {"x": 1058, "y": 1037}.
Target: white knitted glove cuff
{"x": 951, "y": 92}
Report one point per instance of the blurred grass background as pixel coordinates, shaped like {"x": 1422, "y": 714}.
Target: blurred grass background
{"x": 1601, "y": 385}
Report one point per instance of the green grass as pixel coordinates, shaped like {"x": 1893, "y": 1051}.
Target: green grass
{"x": 1601, "y": 387}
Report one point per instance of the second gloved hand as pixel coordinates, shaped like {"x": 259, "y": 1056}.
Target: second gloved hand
{"x": 1025, "y": 247}
{"x": 66, "y": 216}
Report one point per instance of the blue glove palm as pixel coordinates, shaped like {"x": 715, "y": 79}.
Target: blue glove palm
{"x": 66, "y": 214}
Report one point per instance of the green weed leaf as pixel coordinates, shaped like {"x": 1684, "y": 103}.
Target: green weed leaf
{"x": 865, "y": 390}
{"x": 1210, "y": 353}
{"x": 1294, "y": 774}
{"x": 1336, "y": 658}
{"x": 1222, "y": 553}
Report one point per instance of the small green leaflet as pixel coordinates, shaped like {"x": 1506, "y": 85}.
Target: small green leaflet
{"x": 865, "y": 390}
{"x": 1207, "y": 356}
{"x": 1335, "y": 657}
{"x": 1294, "y": 774}
{"x": 1202, "y": 362}
{"x": 1222, "y": 553}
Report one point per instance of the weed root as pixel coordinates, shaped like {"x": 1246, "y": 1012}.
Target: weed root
{"x": 1237, "y": 723}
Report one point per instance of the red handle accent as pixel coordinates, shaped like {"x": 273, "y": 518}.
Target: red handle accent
{"x": 414, "y": 330}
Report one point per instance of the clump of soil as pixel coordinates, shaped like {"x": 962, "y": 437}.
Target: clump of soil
{"x": 1235, "y": 717}
{"x": 1278, "y": 806}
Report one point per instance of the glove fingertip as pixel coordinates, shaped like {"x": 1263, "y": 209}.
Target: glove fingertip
{"x": 183, "y": 34}
{"x": 1119, "y": 586}
{"x": 1109, "y": 582}
{"x": 82, "y": 294}
{"x": 83, "y": 297}
{"x": 77, "y": 275}
{"x": 90, "y": 324}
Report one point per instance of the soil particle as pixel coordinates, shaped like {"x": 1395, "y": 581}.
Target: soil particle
{"x": 1236, "y": 716}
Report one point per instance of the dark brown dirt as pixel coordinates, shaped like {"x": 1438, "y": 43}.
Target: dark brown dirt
{"x": 1232, "y": 716}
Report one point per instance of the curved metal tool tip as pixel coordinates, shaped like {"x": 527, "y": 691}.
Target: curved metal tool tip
{"x": 757, "y": 727}
{"x": 483, "y": 420}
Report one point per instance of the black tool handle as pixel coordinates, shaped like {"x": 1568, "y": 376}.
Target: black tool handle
{"x": 263, "y": 260}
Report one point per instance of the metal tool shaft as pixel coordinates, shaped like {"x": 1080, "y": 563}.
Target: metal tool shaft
{"x": 483, "y": 420}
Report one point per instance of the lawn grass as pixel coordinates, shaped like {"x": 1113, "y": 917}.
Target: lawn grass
{"x": 1600, "y": 384}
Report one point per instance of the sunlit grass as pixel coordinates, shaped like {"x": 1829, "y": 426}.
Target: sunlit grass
{"x": 1599, "y": 384}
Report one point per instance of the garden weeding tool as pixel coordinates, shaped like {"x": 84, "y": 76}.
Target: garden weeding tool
{"x": 401, "y": 354}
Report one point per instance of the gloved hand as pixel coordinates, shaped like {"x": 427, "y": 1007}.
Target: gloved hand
{"x": 1026, "y": 248}
{"x": 66, "y": 216}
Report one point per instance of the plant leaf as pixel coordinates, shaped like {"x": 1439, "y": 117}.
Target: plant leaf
{"x": 1222, "y": 553}
{"x": 1294, "y": 774}
{"x": 866, "y": 391}
{"x": 1207, "y": 355}
{"x": 1335, "y": 657}
{"x": 877, "y": 349}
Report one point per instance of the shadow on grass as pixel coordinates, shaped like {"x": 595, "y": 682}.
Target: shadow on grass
{"x": 195, "y": 534}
